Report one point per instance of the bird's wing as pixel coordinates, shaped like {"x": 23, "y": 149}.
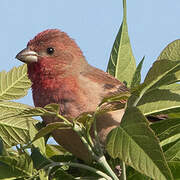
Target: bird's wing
{"x": 111, "y": 86}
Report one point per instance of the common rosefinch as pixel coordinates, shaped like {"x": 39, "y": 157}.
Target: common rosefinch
{"x": 60, "y": 74}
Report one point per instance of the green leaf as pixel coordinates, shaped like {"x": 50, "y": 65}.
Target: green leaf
{"x": 4, "y": 151}
{"x": 53, "y": 150}
{"x": 137, "y": 75}
{"x": 1, "y": 147}
{"x": 39, "y": 160}
{"x": 163, "y": 100}
{"x": 122, "y": 63}
{"x": 52, "y": 108}
{"x": 135, "y": 143}
{"x": 40, "y": 143}
{"x": 171, "y": 52}
{"x": 14, "y": 84}
{"x": 14, "y": 130}
{"x": 173, "y": 153}
{"x": 171, "y": 136}
{"x": 175, "y": 168}
{"x": 116, "y": 98}
{"x": 163, "y": 127}
{"x": 11, "y": 152}
{"x": 9, "y": 173}
{"x": 18, "y": 166}
{"x": 135, "y": 175}
{"x": 163, "y": 72}
{"x": 49, "y": 128}
{"x": 48, "y": 110}
{"x": 62, "y": 174}
{"x": 43, "y": 175}
{"x": 168, "y": 131}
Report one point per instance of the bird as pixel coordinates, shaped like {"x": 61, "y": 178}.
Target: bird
{"x": 60, "y": 74}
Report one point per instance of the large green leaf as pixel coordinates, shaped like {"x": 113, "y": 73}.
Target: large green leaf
{"x": 122, "y": 63}
{"x": 14, "y": 130}
{"x": 166, "y": 70}
{"x": 39, "y": 160}
{"x": 173, "y": 152}
{"x": 171, "y": 135}
{"x": 165, "y": 99}
{"x": 163, "y": 72}
{"x": 15, "y": 167}
{"x": 14, "y": 84}
{"x": 171, "y": 52}
{"x": 167, "y": 131}
{"x": 9, "y": 173}
{"x": 137, "y": 75}
{"x": 175, "y": 168}
{"x": 135, "y": 143}
{"x": 132, "y": 174}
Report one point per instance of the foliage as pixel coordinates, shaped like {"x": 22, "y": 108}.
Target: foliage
{"x": 143, "y": 150}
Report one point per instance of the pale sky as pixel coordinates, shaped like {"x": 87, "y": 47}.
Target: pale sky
{"x": 93, "y": 24}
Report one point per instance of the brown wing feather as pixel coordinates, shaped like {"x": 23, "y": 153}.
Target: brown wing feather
{"x": 110, "y": 84}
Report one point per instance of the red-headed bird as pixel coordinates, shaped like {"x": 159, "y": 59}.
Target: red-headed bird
{"x": 60, "y": 74}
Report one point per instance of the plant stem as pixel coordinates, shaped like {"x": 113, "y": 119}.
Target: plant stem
{"x": 96, "y": 154}
{"x": 123, "y": 171}
{"x": 124, "y": 10}
{"x": 82, "y": 136}
{"x": 65, "y": 120}
{"x": 102, "y": 161}
{"x": 96, "y": 171}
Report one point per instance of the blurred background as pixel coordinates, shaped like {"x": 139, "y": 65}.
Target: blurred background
{"x": 93, "y": 24}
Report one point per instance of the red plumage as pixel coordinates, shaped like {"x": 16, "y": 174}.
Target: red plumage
{"x": 61, "y": 75}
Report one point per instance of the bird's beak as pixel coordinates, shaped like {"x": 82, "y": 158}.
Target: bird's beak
{"x": 27, "y": 56}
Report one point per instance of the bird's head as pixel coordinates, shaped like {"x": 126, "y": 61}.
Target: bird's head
{"x": 51, "y": 51}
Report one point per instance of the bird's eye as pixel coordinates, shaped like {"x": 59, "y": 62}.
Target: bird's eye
{"x": 50, "y": 50}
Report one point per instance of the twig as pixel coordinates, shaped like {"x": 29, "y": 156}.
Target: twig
{"x": 79, "y": 166}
